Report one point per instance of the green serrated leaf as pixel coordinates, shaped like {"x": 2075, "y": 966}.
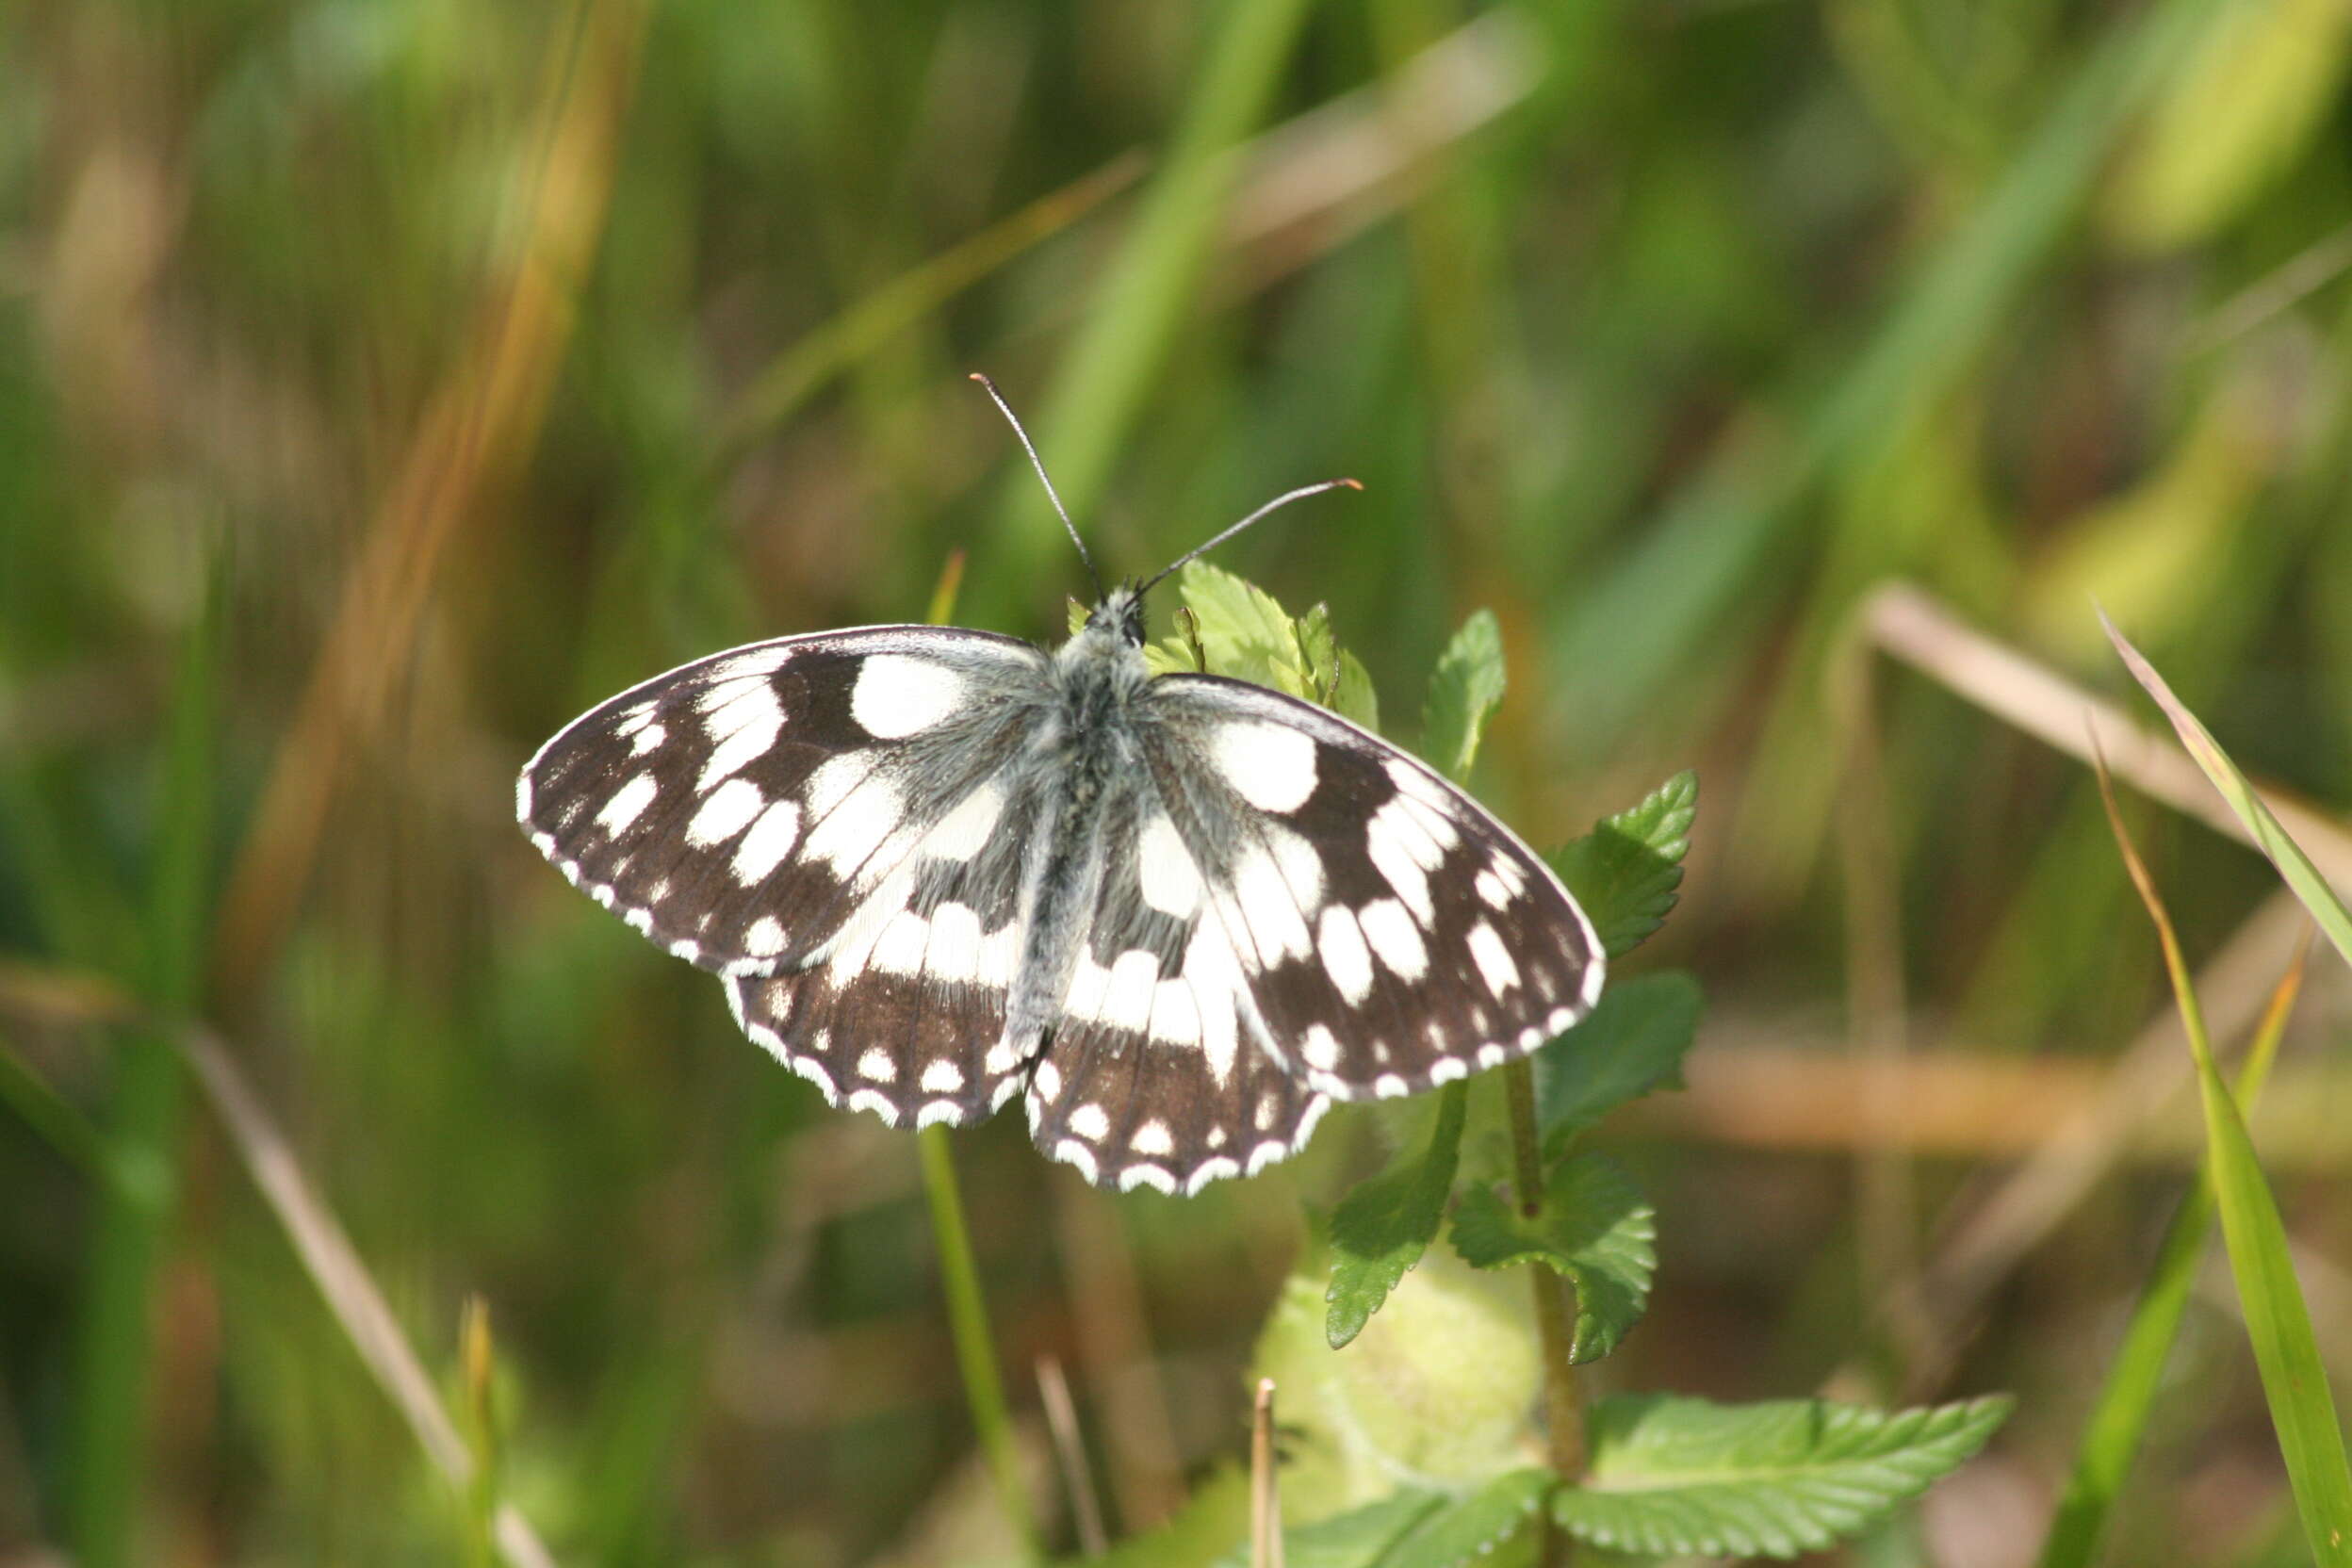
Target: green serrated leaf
{"x": 1675, "y": 1476}
{"x": 1356, "y": 1539}
{"x": 1318, "y": 646}
{"x": 1354, "y": 699}
{"x": 1464, "y": 690}
{"x": 1625, "y": 871}
{"x": 1382, "y": 1228}
{"x": 1245, "y": 631}
{"x": 1632, "y": 1043}
{"x": 1468, "y": 1530}
{"x": 1593, "y": 1226}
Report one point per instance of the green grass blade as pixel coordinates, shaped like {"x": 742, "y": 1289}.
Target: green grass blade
{"x": 2277, "y": 1322}
{"x": 1720, "y": 534}
{"x": 1142, "y": 303}
{"x": 2112, "y": 1436}
{"x": 2301, "y": 876}
{"x": 115, "y": 1370}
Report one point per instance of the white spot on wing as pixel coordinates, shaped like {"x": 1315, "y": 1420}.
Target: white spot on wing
{"x": 876, "y": 1066}
{"x": 1172, "y": 883}
{"x": 627, "y": 804}
{"x": 742, "y": 726}
{"x": 770, "y": 839}
{"x": 898, "y": 694}
{"x": 854, "y": 829}
{"x": 955, "y": 943}
{"x": 899, "y": 949}
{"x": 1127, "y": 990}
{"x": 1089, "y": 1123}
{"x": 764, "y": 937}
{"x": 1175, "y": 1016}
{"x": 1269, "y": 765}
{"x": 943, "y": 1077}
{"x": 730, "y": 807}
{"x": 1153, "y": 1138}
{"x": 1493, "y": 959}
{"x": 1339, "y": 941}
{"x": 964, "y": 832}
{"x": 1394, "y": 938}
{"x": 1320, "y": 1048}
{"x": 1392, "y": 850}
{"x": 1262, "y": 902}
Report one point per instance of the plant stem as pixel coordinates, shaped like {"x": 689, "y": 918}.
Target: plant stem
{"x": 1555, "y": 1324}
{"x": 968, "y": 1320}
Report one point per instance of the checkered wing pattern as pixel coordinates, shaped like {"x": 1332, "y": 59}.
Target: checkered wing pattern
{"x": 824, "y": 822}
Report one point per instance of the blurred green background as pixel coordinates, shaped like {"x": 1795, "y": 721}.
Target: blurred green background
{"x": 381, "y": 383}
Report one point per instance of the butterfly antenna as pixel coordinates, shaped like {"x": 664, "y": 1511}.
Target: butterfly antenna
{"x": 1039, "y": 463}
{"x": 1282, "y": 500}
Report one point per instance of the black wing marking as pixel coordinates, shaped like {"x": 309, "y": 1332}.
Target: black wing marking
{"x": 1391, "y": 933}
{"x": 740, "y": 809}
{"x": 1158, "y": 1074}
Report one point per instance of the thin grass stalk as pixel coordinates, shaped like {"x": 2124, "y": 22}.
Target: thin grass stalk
{"x": 2112, "y": 1436}
{"x": 967, "y": 1307}
{"x": 1554, "y": 1322}
{"x": 975, "y": 1346}
{"x": 1877, "y": 1011}
{"x": 108, "y": 1440}
{"x": 1266, "y": 1493}
{"x": 1070, "y": 1452}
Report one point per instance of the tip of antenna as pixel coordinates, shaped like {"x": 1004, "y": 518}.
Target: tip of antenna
{"x": 1347, "y": 483}
{"x": 982, "y": 378}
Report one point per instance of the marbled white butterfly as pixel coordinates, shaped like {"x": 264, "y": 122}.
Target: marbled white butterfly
{"x": 1181, "y": 914}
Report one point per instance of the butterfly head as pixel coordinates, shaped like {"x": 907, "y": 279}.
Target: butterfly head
{"x": 1120, "y": 614}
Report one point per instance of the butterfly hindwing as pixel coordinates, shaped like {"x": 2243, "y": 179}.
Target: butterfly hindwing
{"x": 1390, "y": 934}
{"x": 1159, "y": 1073}
{"x": 740, "y": 809}
{"x": 902, "y": 1013}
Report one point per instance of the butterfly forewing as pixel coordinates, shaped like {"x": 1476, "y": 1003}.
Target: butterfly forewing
{"x": 1392, "y": 934}
{"x": 740, "y": 811}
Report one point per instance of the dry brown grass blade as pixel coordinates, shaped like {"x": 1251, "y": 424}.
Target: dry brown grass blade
{"x": 1914, "y": 627}
{"x": 1144, "y": 1474}
{"x": 334, "y": 1267}
{"x": 476, "y": 432}
{"x": 1991, "y": 1226}
{"x": 68, "y": 998}
{"x": 1069, "y": 1453}
{"x": 1266, "y": 1501}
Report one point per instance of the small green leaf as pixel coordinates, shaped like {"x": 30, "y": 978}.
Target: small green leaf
{"x": 1470, "y": 1529}
{"x": 1245, "y": 631}
{"x": 2285, "y": 854}
{"x": 1381, "y": 1228}
{"x": 1356, "y": 1539}
{"x": 1632, "y": 1043}
{"x": 1354, "y": 699}
{"x": 1593, "y": 1226}
{"x": 1464, "y": 691}
{"x": 1625, "y": 871}
{"x": 1674, "y": 1476}
{"x": 1318, "y": 646}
